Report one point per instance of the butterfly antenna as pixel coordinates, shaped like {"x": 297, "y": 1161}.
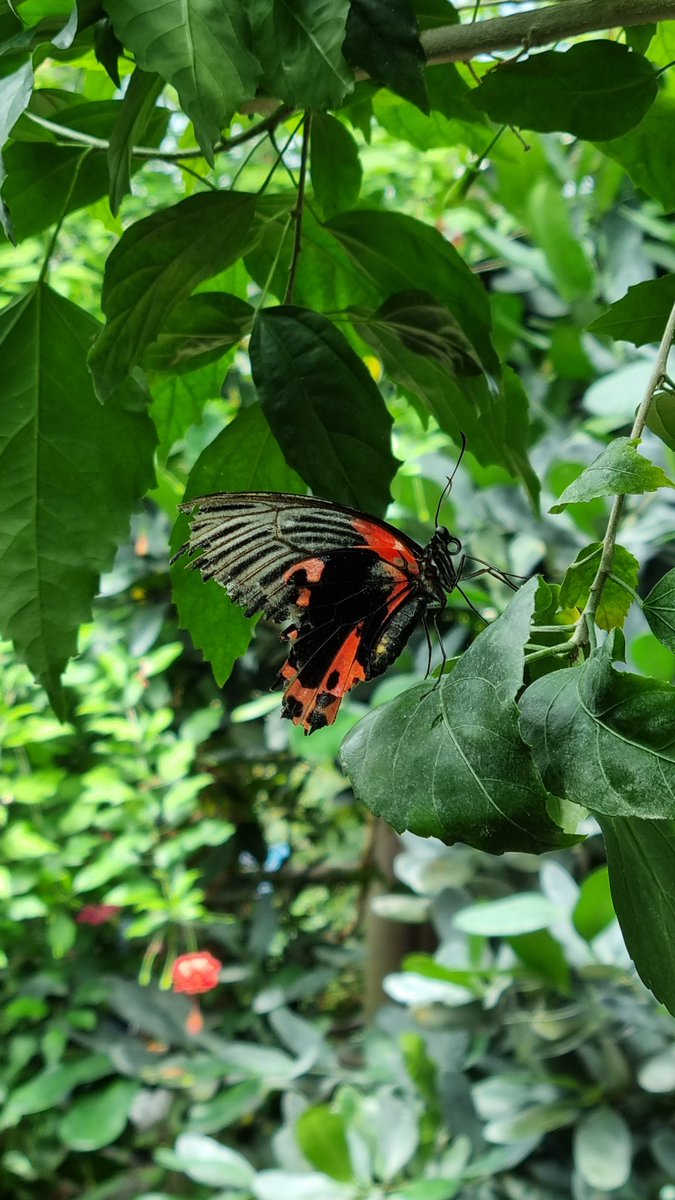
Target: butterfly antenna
{"x": 448, "y": 487}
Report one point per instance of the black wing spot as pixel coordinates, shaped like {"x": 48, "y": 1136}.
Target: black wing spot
{"x": 317, "y": 720}
{"x": 292, "y": 708}
{"x": 333, "y": 680}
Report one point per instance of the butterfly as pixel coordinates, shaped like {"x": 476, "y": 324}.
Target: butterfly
{"x": 352, "y": 586}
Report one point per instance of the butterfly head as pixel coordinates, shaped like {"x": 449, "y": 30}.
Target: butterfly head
{"x": 441, "y": 573}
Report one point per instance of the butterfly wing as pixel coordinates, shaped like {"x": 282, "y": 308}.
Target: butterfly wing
{"x": 348, "y": 582}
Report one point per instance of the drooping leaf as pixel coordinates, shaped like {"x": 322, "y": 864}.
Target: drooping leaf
{"x": 595, "y": 90}
{"x": 56, "y": 538}
{"x": 199, "y": 331}
{"x": 645, "y": 153}
{"x": 243, "y": 458}
{"x": 640, "y": 316}
{"x": 335, "y": 166}
{"x": 384, "y": 41}
{"x": 138, "y": 103}
{"x": 594, "y": 910}
{"x": 156, "y": 264}
{"x": 426, "y": 327}
{"x": 604, "y": 739}
{"x": 299, "y": 43}
{"x": 618, "y": 471}
{"x": 97, "y": 1119}
{"x": 446, "y": 760}
{"x": 641, "y": 861}
{"x": 16, "y": 86}
{"x": 661, "y": 418}
{"x": 200, "y": 47}
{"x": 659, "y": 609}
{"x": 619, "y": 590}
{"x": 323, "y": 406}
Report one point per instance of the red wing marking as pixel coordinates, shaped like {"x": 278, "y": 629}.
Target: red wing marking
{"x": 314, "y": 707}
{"x": 390, "y": 548}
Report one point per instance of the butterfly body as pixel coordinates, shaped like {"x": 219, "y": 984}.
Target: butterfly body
{"x": 352, "y": 586}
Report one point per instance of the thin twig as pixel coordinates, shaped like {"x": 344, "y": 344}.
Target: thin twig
{"x": 298, "y": 210}
{"x": 62, "y": 216}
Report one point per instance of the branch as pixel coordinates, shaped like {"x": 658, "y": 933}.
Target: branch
{"x": 298, "y": 211}
{"x": 458, "y": 43}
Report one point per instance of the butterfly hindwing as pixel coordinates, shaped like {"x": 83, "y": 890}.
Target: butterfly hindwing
{"x": 348, "y": 582}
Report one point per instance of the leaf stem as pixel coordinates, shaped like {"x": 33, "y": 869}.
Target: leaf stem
{"x": 62, "y": 216}
{"x": 298, "y": 210}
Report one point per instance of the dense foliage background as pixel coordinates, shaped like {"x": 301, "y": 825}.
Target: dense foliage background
{"x": 204, "y": 288}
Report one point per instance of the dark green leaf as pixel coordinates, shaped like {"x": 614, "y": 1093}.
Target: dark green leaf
{"x": 661, "y": 419}
{"x": 243, "y": 458}
{"x": 638, "y": 37}
{"x": 323, "y": 406}
{"x": 384, "y": 41}
{"x": 16, "y": 86}
{"x": 446, "y": 760}
{"x": 646, "y": 153}
{"x": 641, "y": 860}
{"x": 595, "y": 90}
{"x": 335, "y": 166}
{"x": 426, "y": 327}
{"x": 200, "y": 48}
{"x": 299, "y": 43}
{"x": 108, "y": 49}
{"x": 156, "y": 264}
{"x": 48, "y": 1088}
{"x": 659, "y": 609}
{"x": 616, "y": 598}
{"x": 320, "y": 1134}
{"x": 603, "y": 1149}
{"x": 199, "y": 331}
{"x": 138, "y": 103}
{"x": 641, "y": 315}
{"x": 97, "y": 1119}
{"x": 618, "y": 471}
{"x": 594, "y": 910}
{"x": 57, "y": 538}
{"x": 604, "y": 739}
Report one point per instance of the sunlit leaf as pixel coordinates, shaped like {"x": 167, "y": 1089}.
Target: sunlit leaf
{"x": 618, "y": 471}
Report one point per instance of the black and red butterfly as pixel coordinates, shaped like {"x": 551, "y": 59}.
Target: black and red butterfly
{"x": 353, "y": 586}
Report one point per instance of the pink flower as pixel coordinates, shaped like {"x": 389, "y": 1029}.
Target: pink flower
{"x": 97, "y": 914}
{"x": 195, "y": 972}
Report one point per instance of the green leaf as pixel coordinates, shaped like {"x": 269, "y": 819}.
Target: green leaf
{"x": 335, "y": 166}
{"x": 616, "y": 598}
{"x": 641, "y": 861}
{"x": 541, "y": 953}
{"x": 646, "y": 152}
{"x": 604, "y": 739}
{"x": 320, "y": 1134}
{"x": 511, "y": 915}
{"x": 16, "y": 86}
{"x": 659, "y": 609}
{"x": 651, "y": 657}
{"x": 99, "y": 1118}
{"x": 323, "y": 407}
{"x": 638, "y": 37}
{"x": 243, "y": 458}
{"x": 384, "y": 41}
{"x": 548, "y": 217}
{"x": 661, "y": 419}
{"x": 595, "y": 90}
{"x": 56, "y": 538}
{"x": 618, "y": 471}
{"x": 139, "y": 102}
{"x": 199, "y": 331}
{"x": 299, "y": 43}
{"x": 446, "y": 760}
{"x": 48, "y": 1088}
{"x": 200, "y": 48}
{"x": 531, "y": 1122}
{"x": 207, "y": 1161}
{"x": 424, "y": 326}
{"x": 594, "y": 910}
{"x": 156, "y": 264}
{"x": 640, "y": 316}
{"x": 178, "y": 402}
{"x": 228, "y": 1106}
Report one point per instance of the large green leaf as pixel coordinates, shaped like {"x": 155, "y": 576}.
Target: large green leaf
{"x": 320, "y": 1134}
{"x": 198, "y": 46}
{"x": 618, "y": 471}
{"x": 16, "y": 86}
{"x": 323, "y": 406}
{"x": 199, "y": 331}
{"x": 604, "y": 739}
{"x": 617, "y": 594}
{"x": 178, "y": 402}
{"x": 595, "y": 90}
{"x": 659, "y": 609}
{"x": 138, "y": 104}
{"x": 383, "y": 39}
{"x": 243, "y": 458}
{"x": 156, "y": 264}
{"x": 335, "y": 166}
{"x": 641, "y": 315}
{"x": 97, "y": 1119}
{"x": 70, "y": 474}
{"x": 641, "y": 860}
{"x": 48, "y": 1088}
{"x": 299, "y": 43}
{"x": 646, "y": 153}
{"x": 446, "y": 759}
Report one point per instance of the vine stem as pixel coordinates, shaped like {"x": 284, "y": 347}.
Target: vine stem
{"x": 586, "y": 627}
{"x": 298, "y": 210}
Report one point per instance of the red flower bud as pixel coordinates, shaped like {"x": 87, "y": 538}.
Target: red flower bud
{"x": 97, "y": 914}
{"x": 195, "y": 972}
